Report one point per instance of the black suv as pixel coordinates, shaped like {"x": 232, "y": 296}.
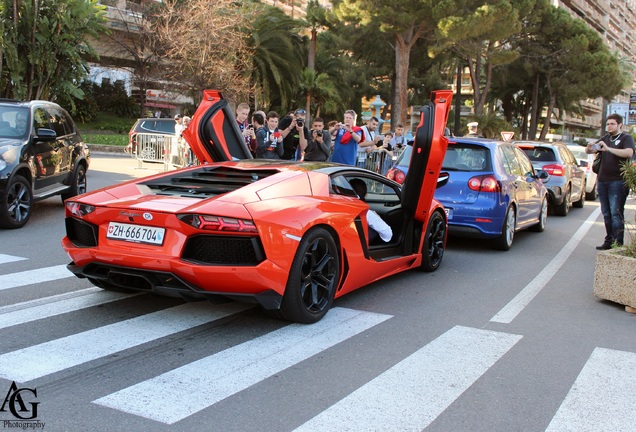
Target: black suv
{"x": 41, "y": 154}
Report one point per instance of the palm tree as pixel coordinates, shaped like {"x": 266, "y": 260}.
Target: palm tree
{"x": 277, "y": 59}
{"x": 319, "y": 90}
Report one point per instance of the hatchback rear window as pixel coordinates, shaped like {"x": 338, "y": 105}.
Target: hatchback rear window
{"x": 466, "y": 157}
{"x": 539, "y": 154}
{"x": 156, "y": 126}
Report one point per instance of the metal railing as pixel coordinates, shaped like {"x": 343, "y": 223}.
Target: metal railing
{"x": 379, "y": 161}
{"x": 166, "y": 149}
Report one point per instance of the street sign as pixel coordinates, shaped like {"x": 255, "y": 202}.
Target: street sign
{"x": 507, "y": 136}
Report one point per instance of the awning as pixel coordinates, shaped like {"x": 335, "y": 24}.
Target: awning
{"x": 160, "y": 105}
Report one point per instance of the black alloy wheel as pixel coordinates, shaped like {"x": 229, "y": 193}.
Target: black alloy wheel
{"x": 15, "y": 209}
{"x": 313, "y": 278}
{"x": 434, "y": 243}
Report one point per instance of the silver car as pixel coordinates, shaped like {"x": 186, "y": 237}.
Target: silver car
{"x": 566, "y": 185}
{"x": 585, "y": 161}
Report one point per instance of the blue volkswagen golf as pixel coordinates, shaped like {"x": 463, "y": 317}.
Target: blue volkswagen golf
{"x": 492, "y": 192}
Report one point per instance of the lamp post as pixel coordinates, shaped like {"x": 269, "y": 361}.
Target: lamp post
{"x": 378, "y": 104}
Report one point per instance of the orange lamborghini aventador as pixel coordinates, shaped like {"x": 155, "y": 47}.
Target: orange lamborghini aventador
{"x": 290, "y": 236}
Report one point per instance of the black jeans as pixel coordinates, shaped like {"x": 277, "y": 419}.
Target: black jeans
{"x": 613, "y": 195}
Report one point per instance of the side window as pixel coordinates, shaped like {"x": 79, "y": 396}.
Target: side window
{"x": 58, "y": 121}
{"x": 167, "y": 127}
{"x": 524, "y": 163}
{"x": 69, "y": 126}
{"x": 40, "y": 119}
{"x": 511, "y": 162}
{"x": 566, "y": 155}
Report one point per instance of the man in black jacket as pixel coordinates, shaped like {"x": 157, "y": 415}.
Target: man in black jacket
{"x": 295, "y": 135}
{"x": 319, "y": 144}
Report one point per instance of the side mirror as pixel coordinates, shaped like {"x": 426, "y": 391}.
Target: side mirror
{"x": 542, "y": 175}
{"x": 45, "y": 135}
{"x": 442, "y": 179}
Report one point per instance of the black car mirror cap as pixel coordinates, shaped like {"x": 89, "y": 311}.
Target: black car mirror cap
{"x": 45, "y": 135}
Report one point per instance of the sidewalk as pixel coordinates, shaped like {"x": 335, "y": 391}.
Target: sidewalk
{"x": 112, "y": 161}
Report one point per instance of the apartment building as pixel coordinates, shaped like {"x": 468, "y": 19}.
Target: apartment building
{"x": 615, "y": 21}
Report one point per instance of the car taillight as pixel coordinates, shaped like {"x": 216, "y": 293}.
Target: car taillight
{"x": 554, "y": 169}
{"x": 485, "y": 183}
{"x": 78, "y": 209}
{"x": 218, "y": 223}
{"x": 396, "y": 175}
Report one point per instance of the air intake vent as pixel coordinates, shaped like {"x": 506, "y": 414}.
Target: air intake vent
{"x": 81, "y": 233}
{"x": 224, "y": 250}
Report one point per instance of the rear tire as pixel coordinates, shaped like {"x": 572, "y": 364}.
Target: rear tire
{"x": 313, "y": 278}
{"x": 504, "y": 241}
{"x": 79, "y": 184}
{"x": 434, "y": 243}
{"x": 17, "y": 205}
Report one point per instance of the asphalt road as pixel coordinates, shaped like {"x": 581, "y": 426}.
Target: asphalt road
{"x": 492, "y": 341}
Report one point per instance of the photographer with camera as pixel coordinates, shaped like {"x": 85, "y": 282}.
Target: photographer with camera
{"x": 613, "y": 149}
{"x": 295, "y": 135}
{"x": 319, "y": 145}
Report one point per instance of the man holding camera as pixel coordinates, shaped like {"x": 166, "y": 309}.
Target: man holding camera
{"x": 319, "y": 145}
{"x": 295, "y": 135}
{"x": 613, "y": 149}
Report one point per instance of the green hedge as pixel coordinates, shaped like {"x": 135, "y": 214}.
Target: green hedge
{"x": 106, "y": 139}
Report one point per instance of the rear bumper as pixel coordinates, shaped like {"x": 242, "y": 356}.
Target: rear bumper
{"x": 165, "y": 283}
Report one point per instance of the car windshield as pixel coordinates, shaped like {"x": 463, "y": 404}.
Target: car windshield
{"x": 14, "y": 122}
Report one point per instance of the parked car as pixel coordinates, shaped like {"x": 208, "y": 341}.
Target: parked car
{"x": 566, "y": 185}
{"x": 585, "y": 161}
{"x": 41, "y": 154}
{"x": 290, "y": 236}
{"x": 159, "y": 126}
{"x": 492, "y": 190}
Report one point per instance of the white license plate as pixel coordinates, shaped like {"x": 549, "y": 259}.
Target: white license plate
{"x": 449, "y": 213}
{"x": 136, "y": 233}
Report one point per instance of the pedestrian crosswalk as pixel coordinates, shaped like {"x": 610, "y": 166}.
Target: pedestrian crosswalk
{"x": 408, "y": 394}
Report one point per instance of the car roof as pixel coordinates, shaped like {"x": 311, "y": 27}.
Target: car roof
{"x": 540, "y": 143}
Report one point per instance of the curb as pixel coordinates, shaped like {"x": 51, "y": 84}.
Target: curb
{"x": 105, "y": 148}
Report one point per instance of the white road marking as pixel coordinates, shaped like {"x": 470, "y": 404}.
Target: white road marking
{"x": 53, "y": 356}
{"x": 30, "y": 277}
{"x": 184, "y": 391}
{"x": 602, "y": 398}
{"x": 9, "y": 258}
{"x": 56, "y": 305}
{"x": 523, "y": 299}
{"x": 411, "y": 394}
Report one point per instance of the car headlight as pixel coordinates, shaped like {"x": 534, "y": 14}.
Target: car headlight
{"x": 3, "y": 164}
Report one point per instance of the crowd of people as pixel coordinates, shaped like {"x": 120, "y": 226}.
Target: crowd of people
{"x": 269, "y": 136}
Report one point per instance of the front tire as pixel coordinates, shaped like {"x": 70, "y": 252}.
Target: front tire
{"x": 592, "y": 194}
{"x": 543, "y": 217}
{"x": 313, "y": 278}
{"x": 434, "y": 243}
{"x": 16, "y": 208}
{"x": 563, "y": 208}
{"x": 504, "y": 241}
{"x": 581, "y": 202}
